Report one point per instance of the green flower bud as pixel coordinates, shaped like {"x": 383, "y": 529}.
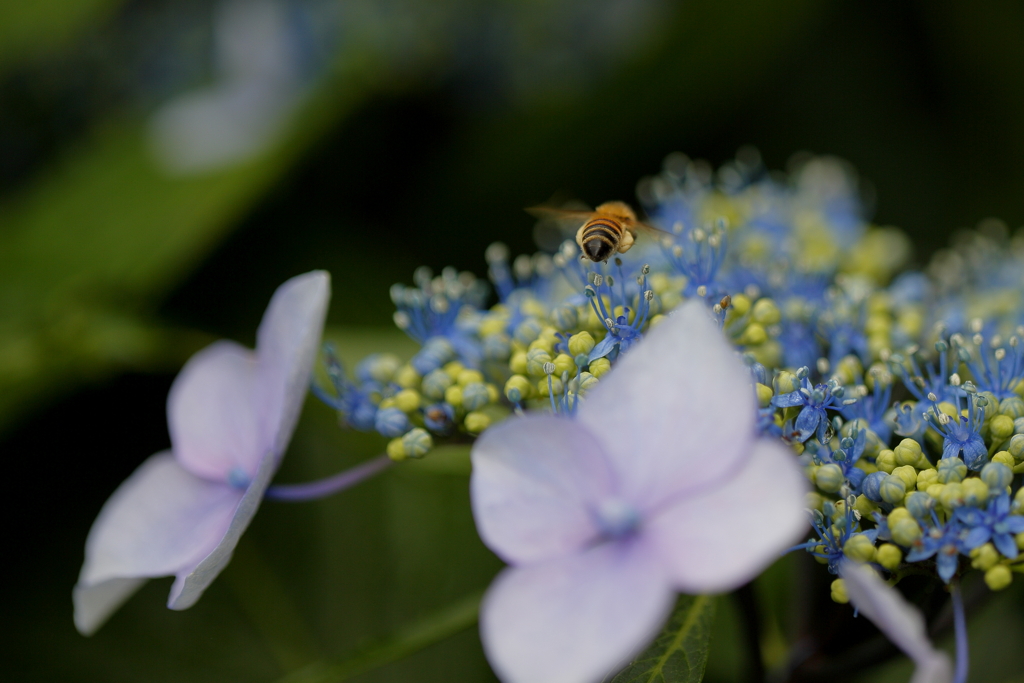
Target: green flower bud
{"x": 813, "y": 500}
{"x": 907, "y": 452}
{"x": 1016, "y": 447}
{"x": 453, "y": 395}
{"x": 919, "y": 504}
{"x": 951, "y": 470}
{"x": 467, "y": 377}
{"x": 905, "y": 532}
{"x": 889, "y": 556}
{"x": 599, "y": 366}
{"x": 829, "y": 478}
{"x": 984, "y": 557}
{"x": 764, "y": 395}
{"x": 952, "y": 496}
{"x": 475, "y": 396}
{"x": 996, "y": 475}
{"x": 435, "y": 384}
{"x": 892, "y": 490}
{"x": 1012, "y": 407}
{"x": 535, "y": 361}
{"x": 564, "y": 363}
{"x": 564, "y": 317}
{"x": 476, "y": 422}
{"x": 839, "y": 592}
{"x": 998, "y": 577}
{"x": 581, "y": 343}
{"x": 975, "y": 491}
{"x": 518, "y": 388}
{"x": 859, "y": 548}
{"x": 886, "y": 461}
{"x": 527, "y": 331}
{"x": 754, "y": 335}
{"x": 407, "y": 400}
{"x": 417, "y": 442}
{"x": 395, "y": 449}
{"x": 926, "y": 478}
{"x": 407, "y": 377}
{"x": 786, "y": 382}
{"x": 865, "y": 506}
{"x": 908, "y": 474}
{"x": 1001, "y": 428}
{"x": 1004, "y": 458}
{"x": 740, "y": 305}
{"x": 517, "y": 363}
{"x": 766, "y": 312}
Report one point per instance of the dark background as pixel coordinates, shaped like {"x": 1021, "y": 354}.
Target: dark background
{"x": 427, "y": 164}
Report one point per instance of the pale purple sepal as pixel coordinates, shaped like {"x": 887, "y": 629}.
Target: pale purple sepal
{"x": 900, "y": 621}
{"x": 663, "y": 471}
{"x": 231, "y": 413}
{"x": 575, "y": 618}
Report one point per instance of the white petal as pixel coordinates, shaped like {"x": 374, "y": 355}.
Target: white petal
{"x": 900, "y": 621}
{"x": 535, "y": 481}
{"x": 574, "y": 619}
{"x": 677, "y": 411}
{"x": 159, "y": 520}
{"x": 194, "y": 578}
{"x": 723, "y": 537}
{"x": 212, "y": 413}
{"x": 287, "y": 342}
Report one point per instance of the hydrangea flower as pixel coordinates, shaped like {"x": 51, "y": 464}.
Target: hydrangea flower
{"x": 231, "y": 412}
{"x": 658, "y": 483}
{"x": 900, "y": 621}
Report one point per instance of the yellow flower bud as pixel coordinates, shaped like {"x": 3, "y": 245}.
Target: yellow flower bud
{"x": 886, "y": 461}
{"x": 975, "y": 491}
{"x": 865, "y": 506}
{"x": 766, "y": 312}
{"x": 754, "y": 335}
{"x": 407, "y": 377}
{"x": 786, "y": 382}
{"x": 581, "y": 343}
{"x": 740, "y": 305}
{"x": 814, "y": 501}
{"x": 395, "y": 449}
{"x": 926, "y": 478}
{"x": 907, "y": 452}
{"x": 764, "y": 395}
{"x": 889, "y": 556}
{"x": 564, "y": 363}
{"x": 453, "y": 368}
{"x": 1005, "y": 458}
{"x": 859, "y": 548}
{"x": 407, "y": 400}
{"x": 952, "y": 496}
{"x": 908, "y": 474}
{"x": 1001, "y": 428}
{"x": 839, "y": 592}
{"x": 522, "y": 386}
{"x": 998, "y": 577}
{"x": 469, "y": 377}
{"x": 453, "y": 395}
{"x": 476, "y": 422}
{"x": 541, "y": 343}
{"x": 984, "y": 557}
{"x": 599, "y": 366}
{"x": 905, "y": 532}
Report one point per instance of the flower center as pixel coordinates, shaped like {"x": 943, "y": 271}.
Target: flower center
{"x": 238, "y": 478}
{"x": 617, "y": 518}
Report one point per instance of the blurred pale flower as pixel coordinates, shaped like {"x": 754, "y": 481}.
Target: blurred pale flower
{"x": 231, "y": 413}
{"x": 900, "y": 621}
{"x": 658, "y": 485}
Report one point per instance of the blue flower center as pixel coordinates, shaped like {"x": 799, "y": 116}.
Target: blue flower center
{"x": 617, "y": 518}
{"x": 238, "y": 478}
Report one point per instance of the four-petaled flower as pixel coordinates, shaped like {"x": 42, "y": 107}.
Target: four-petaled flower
{"x": 995, "y": 524}
{"x": 648, "y": 490}
{"x": 231, "y": 413}
{"x": 816, "y": 402}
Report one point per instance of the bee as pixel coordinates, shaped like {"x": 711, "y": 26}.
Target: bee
{"x": 610, "y": 228}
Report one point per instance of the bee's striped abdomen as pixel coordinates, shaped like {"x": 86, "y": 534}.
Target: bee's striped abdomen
{"x": 600, "y": 238}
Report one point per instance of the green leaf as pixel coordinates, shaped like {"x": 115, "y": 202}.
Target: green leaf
{"x": 680, "y": 653}
{"x": 431, "y": 629}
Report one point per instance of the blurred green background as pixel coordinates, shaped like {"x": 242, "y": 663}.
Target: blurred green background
{"x": 165, "y": 164}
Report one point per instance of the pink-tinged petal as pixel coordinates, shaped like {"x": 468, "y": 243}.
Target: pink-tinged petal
{"x": 193, "y": 578}
{"x": 900, "y": 621}
{"x": 574, "y": 619}
{"x": 724, "y": 536}
{"x": 212, "y": 415}
{"x": 160, "y": 519}
{"x": 535, "y": 482}
{"x": 677, "y": 411}
{"x": 287, "y": 342}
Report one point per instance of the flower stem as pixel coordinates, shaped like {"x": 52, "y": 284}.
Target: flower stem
{"x": 960, "y": 626}
{"x": 325, "y": 487}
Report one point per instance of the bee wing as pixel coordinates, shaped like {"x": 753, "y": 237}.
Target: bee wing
{"x": 652, "y": 230}
{"x": 565, "y": 219}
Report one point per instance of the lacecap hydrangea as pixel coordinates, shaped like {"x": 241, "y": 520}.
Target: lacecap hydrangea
{"x": 901, "y": 393}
